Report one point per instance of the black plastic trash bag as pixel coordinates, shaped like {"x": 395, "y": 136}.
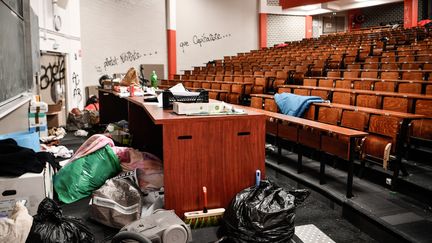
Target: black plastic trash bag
{"x": 50, "y": 226}
{"x": 262, "y": 214}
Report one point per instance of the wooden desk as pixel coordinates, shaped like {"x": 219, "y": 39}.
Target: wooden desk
{"x": 219, "y": 152}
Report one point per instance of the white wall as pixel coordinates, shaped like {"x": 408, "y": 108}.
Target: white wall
{"x": 66, "y": 40}
{"x": 130, "y": 29}
{"x": 232, "y": 23}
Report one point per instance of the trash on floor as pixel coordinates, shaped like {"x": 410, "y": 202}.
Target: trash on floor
{"x": 263, "y": 213}
{"x": 81, "y": 133}
{"x": 49, "y": 225}
{"x": 17, "y": 227}
{"x": 58, "y": 151}
{"x": 79, "y": 178}
{"x": 149, "y": 167}
{"x": 117, "y": 203}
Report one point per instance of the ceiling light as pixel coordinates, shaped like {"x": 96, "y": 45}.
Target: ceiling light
{"x": 362, "y": 0}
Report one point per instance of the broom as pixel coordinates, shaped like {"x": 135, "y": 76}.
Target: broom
{"x": 205, "y": 217}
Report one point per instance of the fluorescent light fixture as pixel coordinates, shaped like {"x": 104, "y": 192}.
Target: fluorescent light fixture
{"x": 362, "y": 0}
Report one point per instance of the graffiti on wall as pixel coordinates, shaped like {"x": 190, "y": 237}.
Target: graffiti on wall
{"x": 200, "y": 40}
{"x": 76, "y": 87}
{"x": 52, "y": 77}
{"x": 124, "y": 57}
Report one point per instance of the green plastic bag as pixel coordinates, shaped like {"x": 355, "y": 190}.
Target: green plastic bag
{"x": 81, "y": 177}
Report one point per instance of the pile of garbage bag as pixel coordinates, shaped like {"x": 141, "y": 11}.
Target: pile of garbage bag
{"x": 263, "y": 213}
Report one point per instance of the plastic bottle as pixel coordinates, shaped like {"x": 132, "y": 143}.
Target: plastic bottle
{"x": 153, "y": 79}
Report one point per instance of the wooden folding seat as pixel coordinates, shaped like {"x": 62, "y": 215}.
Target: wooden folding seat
{"x": 342, "y": 98}
{"x": 213, "y": 95}
{"x": 354, "y": 120}
{"x": 247, "y": 73}
{"x": 353, "y": 66}
{"x": 328, "y": 83}
{"x": 363, "y": 84}
{"x": 187, "y": 72}
{"x": 386, "y": 59}
{"x": 389, "y": 66}
{"x": 338, "y": 145}
{"x": 216, "y": 86}
{"x": 406, "y": 75}
{"x": 210, "y": 78}
{"x": 429, "y": 89}
{"x": 281, "y": 90}
{"x": 411, "y": 88}
{"x": 197, "y": 85}
{"x": 369, "y": 74}
{"x": 281, "y": 79}
{"x": 421, "y": 129}
{"x": 258, "y": 73}
{"x": 300, "y": 72}
{"x": 384, "y": 86}
{"x": 317, "y": 68}
{"x": 371, "y": 101}
{"x": 390, "y": 75}
{"x": 309, "y": 82}
{"x": 248, "y": 84}
{"x": 411, "y": 66}
{"x": 219, "y": 78}
{"x": 206, "y": 85}
{"x": 424, "y": 58}
{"x": 404, "y": 58}
{"x": 370, "y": 66}
{"x": 188, "y": 84}
{"x": 428, "y": 66}
{"x": 259, "y": 86}
{"x": 304, "y": 92}
{"x": 324, "y": 94}
{"x": 236, "y": 94}
{"x": 372, "y": 59}
{"x": 329, "y": 115}
{"x": 383, "y": 132}
{"x": 310, "y": 113}
{"x": 228, "y": 78}
{"x": 351, "y": 74}
{"x": 256, "y": 102}
{"x": 334, "y": 74}
{"x": 270, "y": 105}
{"x": 238, "y": 79}
{"x": 238, "y": 72}
{"x": 343, "y": 84}
{"x": 399, "y": 104}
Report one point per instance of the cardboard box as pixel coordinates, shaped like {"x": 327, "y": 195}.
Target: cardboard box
{"x": 37, "y": 119}
{"x": 41, "y": 130}
{"x": 31, "y": 187}
{"x": 38, "y": 106}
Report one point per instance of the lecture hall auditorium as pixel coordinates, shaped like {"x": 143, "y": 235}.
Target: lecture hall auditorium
{"x": 362, "y": 146}
{"x": 376, "y": 80}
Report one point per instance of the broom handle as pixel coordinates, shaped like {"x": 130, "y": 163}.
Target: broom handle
{"x": 205, "y": 199}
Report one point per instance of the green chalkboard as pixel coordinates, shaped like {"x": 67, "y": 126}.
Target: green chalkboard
{"x": 13, "y": 71}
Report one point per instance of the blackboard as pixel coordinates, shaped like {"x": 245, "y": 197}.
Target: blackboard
{"x": 13, "y": 71}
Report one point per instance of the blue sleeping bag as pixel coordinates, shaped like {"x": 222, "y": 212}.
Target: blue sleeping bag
{"x": 295, "y": 105}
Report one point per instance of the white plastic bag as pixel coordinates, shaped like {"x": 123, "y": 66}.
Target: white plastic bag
{"x": 17, "y": 227}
